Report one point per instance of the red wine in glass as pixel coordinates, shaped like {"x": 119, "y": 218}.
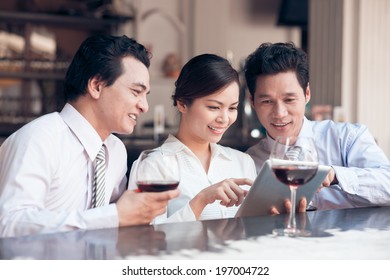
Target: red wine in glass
{"x": 157, "y": 171}
{"x": 157, "y": 185}
{"x": 294, "y": 176}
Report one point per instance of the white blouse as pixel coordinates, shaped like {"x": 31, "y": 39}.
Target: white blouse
{"x": 225, "y": 163}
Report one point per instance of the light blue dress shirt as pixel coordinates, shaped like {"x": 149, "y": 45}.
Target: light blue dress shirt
{"x": 361, "y": 167}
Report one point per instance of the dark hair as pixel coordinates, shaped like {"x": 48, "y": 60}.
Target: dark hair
{"x": 269, "y": 59}
{"x": 101, "y": 56}
{"x": 201, "y": 76}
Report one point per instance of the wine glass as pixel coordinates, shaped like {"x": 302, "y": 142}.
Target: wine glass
{"x": 294, "y": 161}
{"x": 157, "y": 171}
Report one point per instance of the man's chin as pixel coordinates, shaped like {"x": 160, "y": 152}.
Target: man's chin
{"x": 276, "y": 134}
{"x": 125, "y": 131}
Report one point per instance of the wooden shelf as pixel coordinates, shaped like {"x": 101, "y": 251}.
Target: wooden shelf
{"x": 79, "y": 22}
{"x": 32, "y": 75}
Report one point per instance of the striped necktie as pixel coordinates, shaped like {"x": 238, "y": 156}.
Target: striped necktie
{"x": 98, "y": 189}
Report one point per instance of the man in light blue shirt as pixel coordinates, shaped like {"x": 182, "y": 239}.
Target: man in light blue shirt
{"x": 277, "y": 77}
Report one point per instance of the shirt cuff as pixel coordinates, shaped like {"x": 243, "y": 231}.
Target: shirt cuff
{"x": 102, "y": 217}
{"x": 185, "y": 214}
{"x": 347, "y": 179}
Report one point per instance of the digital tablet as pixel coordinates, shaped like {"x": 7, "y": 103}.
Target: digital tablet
{"x": 267, "y": 191}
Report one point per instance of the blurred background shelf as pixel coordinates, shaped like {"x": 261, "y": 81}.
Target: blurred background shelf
{"x": 35, "y": 51}
{"x": 68, "y": 21}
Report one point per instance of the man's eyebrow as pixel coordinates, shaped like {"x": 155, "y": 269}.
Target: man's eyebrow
{"x": 290, "y": 94}
{"x": 265, "y": 95}
{"x": 140, "y": 85}
{"x": 262, "y": 95}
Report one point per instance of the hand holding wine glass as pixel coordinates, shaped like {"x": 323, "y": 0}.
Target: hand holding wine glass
{"x": 157, "y": 171}
{"x": 294, "y": 161}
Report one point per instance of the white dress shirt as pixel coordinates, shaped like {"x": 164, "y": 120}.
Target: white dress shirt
{"x": 361, "y": 167}
{"x": 46, "y": 174}
{"x": 225, "y": 163}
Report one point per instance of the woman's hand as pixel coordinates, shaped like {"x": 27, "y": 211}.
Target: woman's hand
{"x": 228, "y": 192}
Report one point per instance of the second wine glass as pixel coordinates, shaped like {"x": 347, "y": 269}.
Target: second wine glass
{"x": 294, "y": 161}
{"x": 157, "y": 171}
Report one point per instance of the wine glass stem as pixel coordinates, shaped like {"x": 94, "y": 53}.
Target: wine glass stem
{"x": 291, "y": 222}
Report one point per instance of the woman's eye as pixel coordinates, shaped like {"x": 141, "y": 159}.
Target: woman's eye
{"x": 233, "y": 108}
{"x": 266, "y": 102}
{"x": 213, "y": 107}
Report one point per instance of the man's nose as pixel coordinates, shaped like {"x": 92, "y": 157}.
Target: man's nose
{"x": 143, "y": 105}
{"x": 279, "y": 110}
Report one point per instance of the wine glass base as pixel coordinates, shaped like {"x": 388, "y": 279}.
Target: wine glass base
{"x": 291, "y": 232}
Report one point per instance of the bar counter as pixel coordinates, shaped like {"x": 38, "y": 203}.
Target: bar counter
{"x": 362, "y": 233}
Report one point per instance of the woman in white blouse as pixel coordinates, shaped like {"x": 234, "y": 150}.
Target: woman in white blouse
{"x": 214, "y": 178}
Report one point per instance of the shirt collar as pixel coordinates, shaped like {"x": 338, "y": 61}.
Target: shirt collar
{"x": 307, "y": 128}
{"x": 217, "y": 150}
{"x": 174, "y": 144}
{"x": 83, "y": 130}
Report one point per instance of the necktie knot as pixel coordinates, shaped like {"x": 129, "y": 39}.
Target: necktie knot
{"x": 102, "y": 154}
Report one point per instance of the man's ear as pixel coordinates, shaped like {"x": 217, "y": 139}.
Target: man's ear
{"x": 252, "y": 101}
{"x": 181, "y": 106}
{"x": 94, "y": 87}
{"x": 307, "y": 93}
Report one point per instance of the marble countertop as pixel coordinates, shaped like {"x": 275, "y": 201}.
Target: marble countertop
{"x": 362, "y": 233}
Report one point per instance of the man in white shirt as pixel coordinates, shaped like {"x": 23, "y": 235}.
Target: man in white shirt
{"x": 47, "y": 167}
{"x": 277, "y": 77}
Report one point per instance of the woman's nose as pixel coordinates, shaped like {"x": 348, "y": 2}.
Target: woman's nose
{"x": 223, "y": 117}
